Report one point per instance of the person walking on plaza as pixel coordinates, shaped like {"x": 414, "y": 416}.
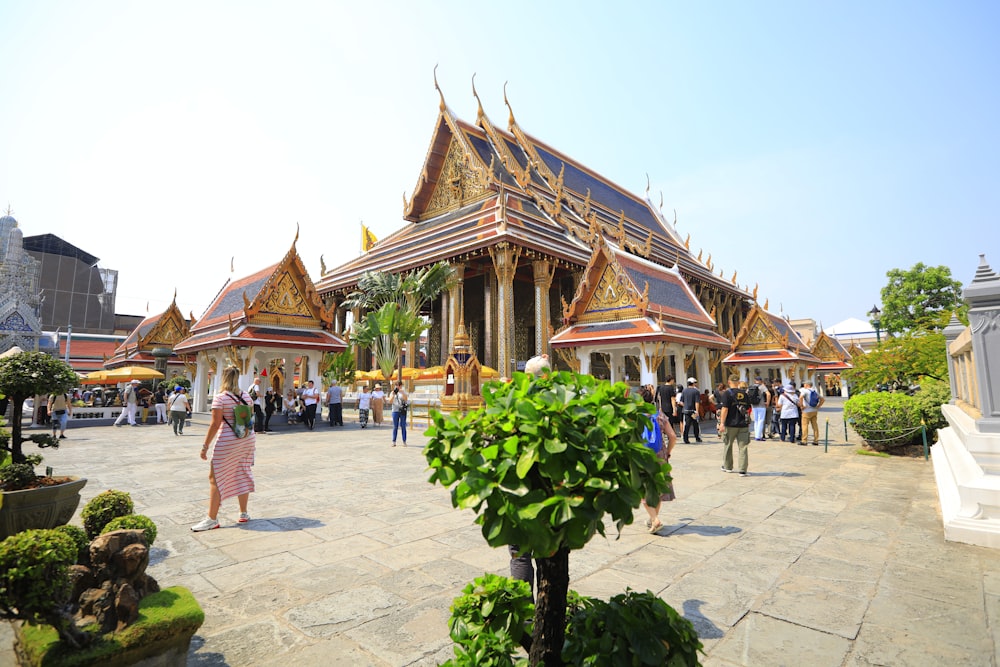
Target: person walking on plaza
{"x": 378, "y": 403}
{"x": 654, "y": 439}
{"x": 788, "y": 404}
{"x": 60, "y": 409}
{"x": 690, "y": 398}
{"x": 400, "y": 404}
{"x": 760, "y": 398}
{"x": 130, "y": 399}
{"x": 160, "y": 405}
{"x": 776, "y": 391}
{"x": 256, "y": 395}
{"x": 178, "y": 406}
{"x": 364, "y": 404}
{"x": 666, "y": 398}
{"x": 230, "y": 471}
{"x": 272, "y": 402}
{"x": 734, "y": 426}
{"x": 335, "y": 404}
{"x": 809, "y": 404}
{"x": 310, "y": 398}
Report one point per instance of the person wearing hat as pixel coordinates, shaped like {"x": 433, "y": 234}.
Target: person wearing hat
{"x": 788, "y": 404}
{"x": 178, "y": 406}
{"x": 377, "y": 403}
{"x": 690, "y": 399}
{"x": 760, "y": 398}
{"x": 130, "y": 399}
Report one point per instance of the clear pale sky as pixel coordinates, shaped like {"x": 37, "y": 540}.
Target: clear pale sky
{"x": 809, "y": 146}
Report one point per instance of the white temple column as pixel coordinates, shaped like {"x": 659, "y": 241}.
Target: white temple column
{"x": 583, "y": 355}
{"x": 199, "y": 388}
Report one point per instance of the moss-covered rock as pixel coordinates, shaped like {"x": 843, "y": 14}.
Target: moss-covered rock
{"x": 167, "y": 621}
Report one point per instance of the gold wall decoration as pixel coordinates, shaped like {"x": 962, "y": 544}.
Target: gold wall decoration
{"x": 760, "y": 337}
{"x": 456, "y": 184}
{"x": 286, "y": 299}
{"x": 611, "y": 299}
{"x": 568, "y": 357}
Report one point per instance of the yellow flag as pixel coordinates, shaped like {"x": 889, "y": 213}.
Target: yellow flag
{"x": 368, "y": 239}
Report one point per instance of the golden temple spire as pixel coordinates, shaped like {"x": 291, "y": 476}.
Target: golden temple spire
{"x": 175, "y": 295}
{"x": 442, "y": 106}
{"x": 479, "y": 111}
{"x": 232, "y": 264}
{"x": 296, "y": 239}
{"x": 699, "y": 254}
{"x": 766, "y": 303}
{"x": 661, "y": 202}
{"x": 510, "y": 109}
{"x": 755, "y": 286}
{"x": 733, "y": 279}
{"x": 322, "y": 266}
{"x": 687, "y": 242}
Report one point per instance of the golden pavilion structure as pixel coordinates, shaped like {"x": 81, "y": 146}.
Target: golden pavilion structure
{"x": 834, "y": 360}
{"x": 768, "y": 347}
{"x": 267, "y": 324}
{"x": 462, "y": 374}
{"x": 152, "y": 343}
{"x": 520, "y": 222}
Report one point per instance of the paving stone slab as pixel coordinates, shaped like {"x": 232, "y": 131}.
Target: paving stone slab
{"x": 339, "y": 612}
{"x": 761, "y": 640}
{"x": 836, "y": 608}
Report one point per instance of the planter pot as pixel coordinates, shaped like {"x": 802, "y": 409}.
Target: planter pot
{"x": 45, "y": 507}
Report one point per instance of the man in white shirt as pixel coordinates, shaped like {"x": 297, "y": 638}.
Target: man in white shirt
{"x": 256, "y": 395}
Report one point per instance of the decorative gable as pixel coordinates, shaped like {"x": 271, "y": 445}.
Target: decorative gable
{"x": 457, "y": 183}
{"x": 759, "y": 333}
{"x": 287, "y": 298}
{"x": 612, "y": 299}
{"x": 826, "y": 350}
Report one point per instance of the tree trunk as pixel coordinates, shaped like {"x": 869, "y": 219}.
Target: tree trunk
{"x": 16, "y": 406}
{"x": 550, "y": 610}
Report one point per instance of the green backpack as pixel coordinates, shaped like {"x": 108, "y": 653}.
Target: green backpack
{"x": 242, "y": 418}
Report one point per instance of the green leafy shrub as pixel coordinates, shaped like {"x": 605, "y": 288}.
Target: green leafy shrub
{"x": 885, "y": 420}
{"x": 630, "y": 629}
{"x": 489, "y": 621}
{"x": 29, "y": 374}
{"x": 542, "y": 463}
{"x": 79, "y": 537}
{"x": 133, "y": 522}
{"x": 17, "y": 476}
{"x": 931, "y": 396}
{"x": 104, "y": 507}
{"x": 34, "y": 580}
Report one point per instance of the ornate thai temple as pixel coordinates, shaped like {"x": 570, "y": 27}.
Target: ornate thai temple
{"x": 521, "y": 222}
{"x": 834, "y": 360}
{"x": 768, "y": 347}
{"x": 269, "y": 323}
{"x": 152, "y": 343}
{"x": 20, "y": 295}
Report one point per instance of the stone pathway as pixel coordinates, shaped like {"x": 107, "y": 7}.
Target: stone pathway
{"x": 352, "y": 558}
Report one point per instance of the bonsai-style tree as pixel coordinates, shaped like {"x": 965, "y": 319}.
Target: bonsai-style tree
{"x": 30, "y": 374}
{"x": 542, "y": 463}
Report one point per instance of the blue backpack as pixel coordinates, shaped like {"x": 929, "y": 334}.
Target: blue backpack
{"x": 813, "y": 398}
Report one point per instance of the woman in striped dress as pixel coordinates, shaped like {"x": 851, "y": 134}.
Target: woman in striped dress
{"x": 230, "y": 474}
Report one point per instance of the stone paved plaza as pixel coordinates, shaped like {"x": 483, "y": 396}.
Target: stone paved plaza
{"x": 352, "y": 558}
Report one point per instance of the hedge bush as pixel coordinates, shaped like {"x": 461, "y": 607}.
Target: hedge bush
{"x": 34, "y": 573}
{"x": 885, "y": 420}
{"x": 133, "y": 522}
{"x": 79, "y": 537}
{"x": 104, "y": 507}
{"x": 931, "y": 396}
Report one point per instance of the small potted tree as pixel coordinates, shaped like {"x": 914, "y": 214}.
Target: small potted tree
{"x": 542, "y": 463}
{"x": 30, "y": 501}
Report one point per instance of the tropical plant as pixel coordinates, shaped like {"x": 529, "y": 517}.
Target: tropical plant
{"x": 34, "y": 581}
{"x": 490, "y": 621}
{"x": 79, "y": 537}
{"x": 338, "y": 366}
{"x": 386, "y": 331}
{"x": 104, "y": 507}
{"x": 884, "y": 419}
{"x": 133, "y": 522}
{"x": 28, "y": 374}
{"x": 921, "y": 298}
{"x": 410, "y": 292}
{"x": 542, "y": 463}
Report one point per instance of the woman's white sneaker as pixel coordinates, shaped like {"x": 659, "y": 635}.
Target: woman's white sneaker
{"x": 244, "y": 517}
{"x": 205, "y": 524}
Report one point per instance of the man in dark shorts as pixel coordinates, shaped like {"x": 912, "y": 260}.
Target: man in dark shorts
{"x": 666, "y": 398}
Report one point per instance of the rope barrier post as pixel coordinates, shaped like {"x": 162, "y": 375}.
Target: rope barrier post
{"x": 923, "y": 434}
{"x": 826, "y": 438}
{"x": 845, "y": 430}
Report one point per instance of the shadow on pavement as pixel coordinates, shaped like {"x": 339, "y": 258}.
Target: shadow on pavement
{"x": 706, "y": 629}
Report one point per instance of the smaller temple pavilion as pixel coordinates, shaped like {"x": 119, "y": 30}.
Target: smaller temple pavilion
{"x": 152, "y": 344}
{"x": 834, "y": 360}
{"x": 768, "y": 347}
{"x": 270, "y": 324}
{"x": 631, "y": 315}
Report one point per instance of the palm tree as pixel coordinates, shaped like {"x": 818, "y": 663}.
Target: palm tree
{"x": 409, "y": 292}
{"x": 386, "y": 330}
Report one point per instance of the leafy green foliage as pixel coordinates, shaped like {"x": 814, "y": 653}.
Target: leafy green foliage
{"x": 921, "y": 298}
{"x": 133, "y": 522}
{"x": 386, "y": 330}
{"x": 630, "y": 629}
{"x": 930, "y": 397}
{"x": 17, "y": 476}
{"x": 29, "y": 374}
{"x": 104, "y": 507}
{"x": 490, "y": 621}
{"x": 338, "y": 366}
{"x": 34, "y": 574}
{"x": 175, "y": 381}
{"x": 885, "y": 420}
{"x": 79, "y": 537}
{"x": 546, "y": 458}
{"x": 903, "y": 360}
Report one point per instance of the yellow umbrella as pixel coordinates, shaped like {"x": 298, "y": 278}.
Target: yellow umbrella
{"x": 487, "y": 372}
{"x": 94, "y": 377}
{"x": 132, "y": 373}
